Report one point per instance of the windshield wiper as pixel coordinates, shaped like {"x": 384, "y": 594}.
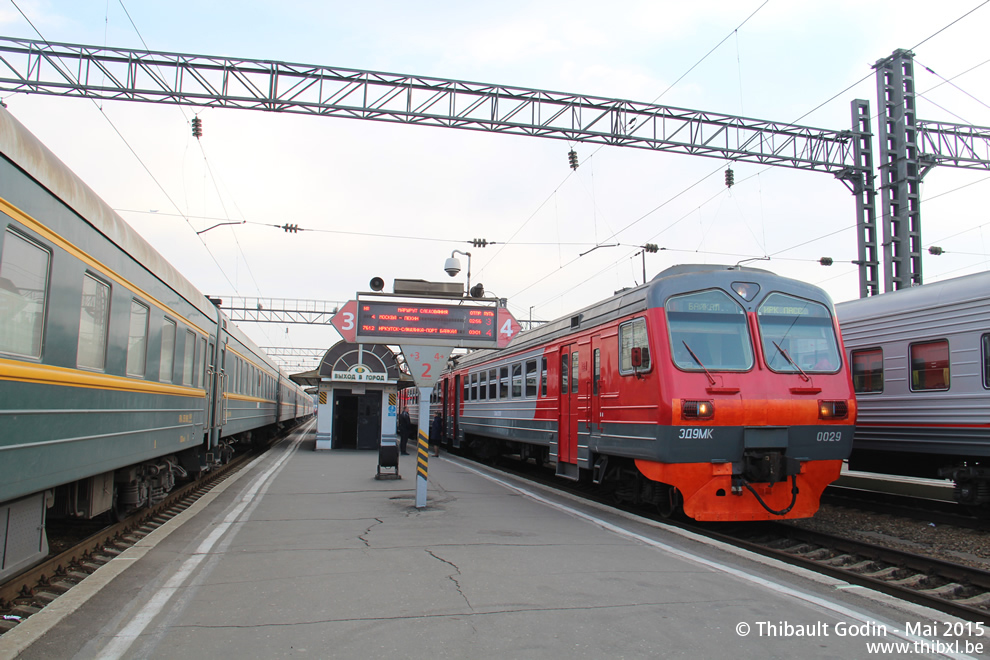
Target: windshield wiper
{"x": 711, "y": 379}
{"x": 784, "y": 353}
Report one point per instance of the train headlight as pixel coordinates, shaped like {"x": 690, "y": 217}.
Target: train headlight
{"x": 697, "y": 409}
{"x": 838, "y": 409}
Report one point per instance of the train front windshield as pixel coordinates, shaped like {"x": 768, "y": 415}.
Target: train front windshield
{"x": 708, "y": 330}
{"x": 798, "y": 335}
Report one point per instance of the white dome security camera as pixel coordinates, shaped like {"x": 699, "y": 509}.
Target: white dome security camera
{"x": 452, "y": 266}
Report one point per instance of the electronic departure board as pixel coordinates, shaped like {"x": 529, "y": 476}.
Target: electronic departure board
{"x": 424, "y": 323}
{"x": 450, "y": 323}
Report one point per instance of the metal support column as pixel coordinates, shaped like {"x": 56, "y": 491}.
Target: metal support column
{"x": 860, "y": 181}
{"x": 900, "y": 176}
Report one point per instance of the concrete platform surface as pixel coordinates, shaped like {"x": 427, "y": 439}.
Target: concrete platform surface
{"x": 306, "y": 555}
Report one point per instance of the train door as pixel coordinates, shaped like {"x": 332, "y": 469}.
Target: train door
{"x": 455, "y": 409}
{"x": 216, "y": 380}
{"x": 595, "y": 391}
{"x": 567, "y": 422}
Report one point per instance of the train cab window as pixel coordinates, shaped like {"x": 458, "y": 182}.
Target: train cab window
{"x": 986, "y": 361}
{"x": 94, "y": 319}
{"x": 188, "y": 357}
{"x": 798, "y": 335}
{"x": 867, "y": 370}
{"x": 930, "y": 366}
{"x": 708, "y": 330}
{"x": 503, "y": 383}
{"x": 531, "y": 379}
{"x": 23, "y": 295}
{"x": 483, "y": 385}
{"x": 632, "y": 335}
{"x": 492, "y": 384}
{"x": 168, "y": 351}
{"x": 543, "y": 376}
{"x": 137, "y": 340}
{"x": 517, "y": 380}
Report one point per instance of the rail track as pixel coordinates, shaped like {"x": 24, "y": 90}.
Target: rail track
{"x": 30, "y": 591}
{"x": 953, "y": 588}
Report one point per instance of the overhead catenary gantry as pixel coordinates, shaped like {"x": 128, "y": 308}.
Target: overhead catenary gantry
{"x": 103, "y": 73}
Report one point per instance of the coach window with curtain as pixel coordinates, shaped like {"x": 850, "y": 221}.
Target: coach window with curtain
{"x": 930, "y": 366}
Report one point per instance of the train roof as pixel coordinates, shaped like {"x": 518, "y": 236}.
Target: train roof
{"x": 27, "y": 152}
{"x": 676, "y": 279}
{"x": 965, "y": 289}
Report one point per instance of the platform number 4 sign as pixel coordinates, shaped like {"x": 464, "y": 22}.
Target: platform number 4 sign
{"x": 508, "y": 327}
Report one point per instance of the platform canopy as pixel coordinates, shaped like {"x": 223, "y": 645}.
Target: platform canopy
{"x": 345, "y": 361}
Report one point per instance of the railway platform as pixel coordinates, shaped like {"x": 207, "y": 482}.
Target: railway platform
{"x": 307, "y": 555}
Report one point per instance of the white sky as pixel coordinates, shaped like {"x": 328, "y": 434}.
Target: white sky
{"x": 443, "y": 185}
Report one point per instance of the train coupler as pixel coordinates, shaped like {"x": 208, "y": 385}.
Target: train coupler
{"x": 766, "y": 466}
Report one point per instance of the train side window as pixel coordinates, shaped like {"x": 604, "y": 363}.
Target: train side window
{"x": 483, "y": 385}
{"x": 474, "y": 387}
{"x": 94, "y": 319}
{"x": 24, "y": 269}
{"x": 467, "y": 388}
{"x": 930, "y": 366}
{"x": 503, "y": 383}
{"x": 986, "y": 361}
{"x": 574, "y": 372}
{"x": 867, "y": 370}
{"x": 633, "y": 335}
{"x": 492, "y": 384}
{"x": 517, "y": 380}
{"x": 188, "y": 357}
{"x": 543, "y": 376}
{"x": 565, "y": 361}
{"x": 597, "y": 376}
{"x": 168, "y": 351}
{"x": 531, "y": 379}
{"x": 137, "y": 340}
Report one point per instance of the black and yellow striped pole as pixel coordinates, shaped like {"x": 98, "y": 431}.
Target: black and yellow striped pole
{"x": 423, "y": 447}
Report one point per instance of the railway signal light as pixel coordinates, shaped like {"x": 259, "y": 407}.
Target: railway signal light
{"x": 572, "y": 159}
{"x": 197, "y": 127}
{"x": 730, "y": 177}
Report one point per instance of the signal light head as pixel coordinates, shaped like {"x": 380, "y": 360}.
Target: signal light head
{"x": 697, "y": 409}
{"x": 838, "y": 409}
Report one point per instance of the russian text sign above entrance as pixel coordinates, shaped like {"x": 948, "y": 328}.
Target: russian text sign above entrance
{"x": 426, "y": 324}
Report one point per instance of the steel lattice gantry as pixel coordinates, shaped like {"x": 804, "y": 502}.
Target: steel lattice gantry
{"x": 278, "y": 310}
{"x": 155, "y": 77}
{"x": 39, "y": 67}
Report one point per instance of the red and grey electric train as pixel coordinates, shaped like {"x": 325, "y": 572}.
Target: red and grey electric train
{"x": 718, "y": 391}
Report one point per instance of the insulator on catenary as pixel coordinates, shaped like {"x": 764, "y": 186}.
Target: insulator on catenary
{"x": 730, "y": 177}
{"x": 572, "y": 159}
{"x": 197, "y": 127}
